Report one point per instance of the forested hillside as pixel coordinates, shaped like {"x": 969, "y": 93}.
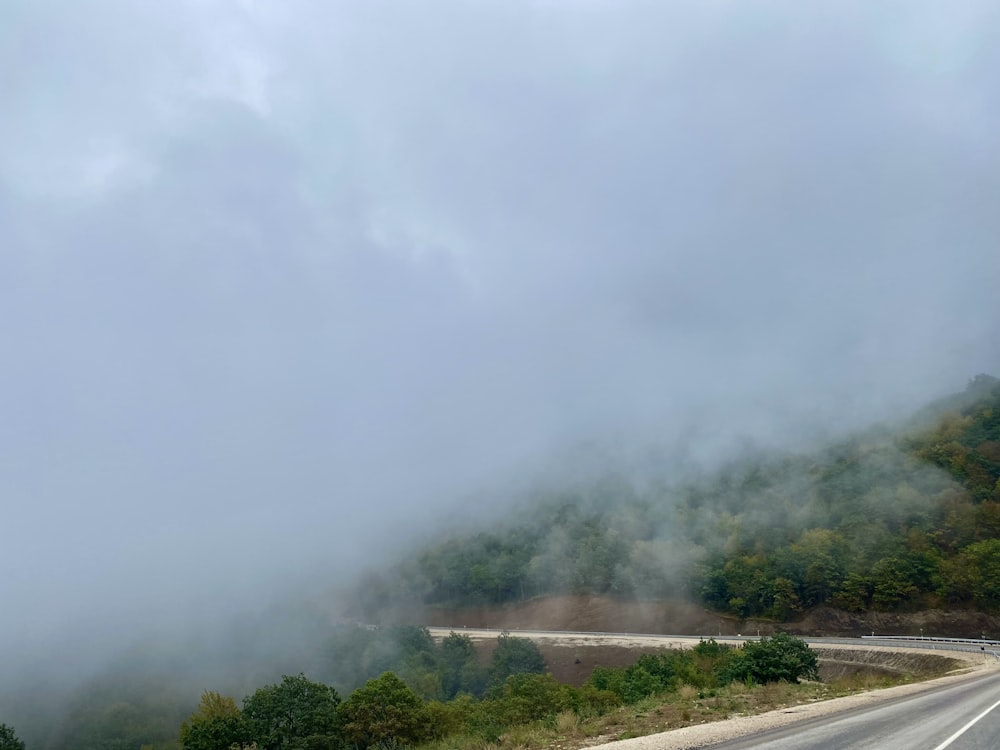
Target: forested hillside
{"x": 891, "y": 520}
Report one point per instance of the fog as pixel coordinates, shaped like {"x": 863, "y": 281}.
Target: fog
{"x": 283, "y": 284}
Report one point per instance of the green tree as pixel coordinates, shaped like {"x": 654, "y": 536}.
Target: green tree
{"x": 216, "y": 724}
{"x": 9, "y": 740}
{"x": 854, "y": 594}
{"x": 528, "y": 697}
{"x": 784, "y": 599}
{"x": 460, "y": 668}
{"x": 975, "y": 574}
{"x": 384, "y": 710}
{"x": 417, "y": 660}
{"x": 779, "y": 658}
{"x": 514, "y": 656}
{"x": 899, "y": 580}
{"x": 639, "y": 683}
{"x": 297, "y": 714}
{"x": 608, "y": 679}
{"x": 815, "y": 564}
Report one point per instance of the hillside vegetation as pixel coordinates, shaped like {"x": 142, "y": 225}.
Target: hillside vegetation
{"x": 888, "y": 520}
{"x": 442, "y": 696}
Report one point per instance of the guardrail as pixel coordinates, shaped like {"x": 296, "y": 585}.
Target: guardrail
{"x": 910, "y": 641}
{"x": 986, "y": 646}
{"x": 932, "y": 639}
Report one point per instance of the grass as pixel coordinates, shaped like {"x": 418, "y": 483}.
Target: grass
{"x": 659, "y": 713}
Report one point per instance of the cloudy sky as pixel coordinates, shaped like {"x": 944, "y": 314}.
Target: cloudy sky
{"x": 278, "y": 280}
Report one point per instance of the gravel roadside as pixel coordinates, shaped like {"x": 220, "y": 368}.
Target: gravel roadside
{"x": 705, "y": 735}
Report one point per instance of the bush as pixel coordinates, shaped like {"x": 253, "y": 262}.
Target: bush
{"x": 711, "y": 649}
{"x": 592, "y": 701}
{"x": 514, "y": 656}
{"x": 216, "y": 723}
{"x": 529, "y": 697}
{"x": 384, "y": 710}
{"x": 484, "y": 722}
{"x": 639, "y": 684}
{"x": 673, "y": 668}
{"x": 449, "y": 718}
{"x": 460, "y": 669}
{"x": 608, "y": 679}
{"x": 780, "y": 658}
{"x": 297, "y": 713}
{"x": 659, "y": 672}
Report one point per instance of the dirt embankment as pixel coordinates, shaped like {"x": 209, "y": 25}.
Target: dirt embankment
{"x": 574, "y": 663}
{"x": 835, "y": 663}
{"x": 933, "y": 622}
{"x": 583, "y": 613}
{"x": 604, "y": 614}
{"x": 571, "y": 658}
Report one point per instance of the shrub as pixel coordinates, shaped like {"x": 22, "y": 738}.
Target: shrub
{"x": 780, "y": 658}
{"x": 592, "y": 701}
{"x": 384, "y": 710}
{"x": 296, "y": 713}
{"x": 216, "y": 723}
{"x": 609, "y": 679}
{"x": 529, "y": 697}
{"x": 514, "y": 656}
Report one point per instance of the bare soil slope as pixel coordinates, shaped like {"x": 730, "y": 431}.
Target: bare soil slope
{"x": 605, "y": 614}
{"x": 586, "y": 613}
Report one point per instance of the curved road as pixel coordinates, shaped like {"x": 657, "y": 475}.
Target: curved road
{"x": 963, "y": 714}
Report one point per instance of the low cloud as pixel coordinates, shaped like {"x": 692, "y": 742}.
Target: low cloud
{"x": 280, "y": 283}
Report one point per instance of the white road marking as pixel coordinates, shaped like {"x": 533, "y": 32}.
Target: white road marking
{"x": 966, "y": 728}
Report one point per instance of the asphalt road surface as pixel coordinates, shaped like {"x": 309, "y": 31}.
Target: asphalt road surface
{"x": 960, "y": 715}
{"x": 963, "y": 716}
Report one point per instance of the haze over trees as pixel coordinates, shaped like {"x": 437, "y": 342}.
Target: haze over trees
{"x": 888, "y": 519}
{"x": 386, "y": 711}
{"x": 8, "y": 739}
{"x": 290, "y": 288}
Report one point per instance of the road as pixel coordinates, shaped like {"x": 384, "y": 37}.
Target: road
{"x": 963, "y": 716}
{"x": 960, "y": 713}
{"x": 959, "y": 649}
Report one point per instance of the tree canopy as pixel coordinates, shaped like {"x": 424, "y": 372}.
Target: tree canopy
{"x": 386, "y": 712}
{"x": 384, "y": 709}
{"x": 217, "y": 723}
{"x": 295, "y": 714}
{"x": 514, "y": 656}
{"x": 8, "y": 739}
{"x": 886, "y": 519}
{"x": 779, "y": 658}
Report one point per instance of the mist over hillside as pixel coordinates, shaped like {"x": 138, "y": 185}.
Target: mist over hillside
{"x": 886, "y": 519}
{"x": 895, "y": 519}
{"x": 285, "y": 289}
